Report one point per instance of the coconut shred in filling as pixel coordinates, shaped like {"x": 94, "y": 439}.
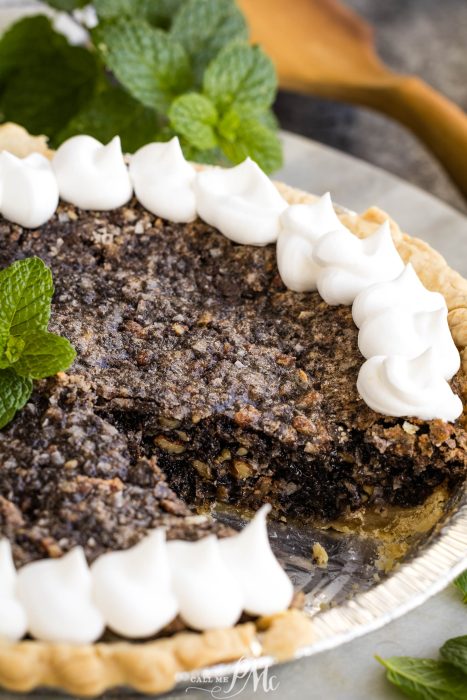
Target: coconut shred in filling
{"x": 404, "y": 337}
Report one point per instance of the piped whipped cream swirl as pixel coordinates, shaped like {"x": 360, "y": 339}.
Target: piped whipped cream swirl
{"x": 399, "y": 386}
{"x": 265, "y": 586}
{"x": 13, "y": 621}
{"x": 133, "y": 589}
{"x": 302, "y": 225}
{"x": 91, "y": 175}
{"x": 401, "y": 331}
{"x": 406, "y": 290}
{"x": 241, "y": 202}
{"x": 163, "y": 181}
{"x": 137, "y": 592}
{"x": 350, "y": 264}
{"x": 207, "y": 593}
{"x": 28, "y": 189}
{"x": 57, "y": 597}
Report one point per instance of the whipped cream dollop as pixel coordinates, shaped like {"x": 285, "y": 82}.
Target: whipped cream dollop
{"x": 400, "y": 331}
{"x": 28, "y": 189}
{"x": 302, "y": 225}
{"x": 399, "y": 386}
{"x": 350, "y": 264}
{"x": 13, "y": 621}
{"x": 132, "y": 588}
{"x": 91, "y": 175}
{"x": 406, "y": 290}
{"x": 265, "y": 586}
{"x": 207, "y": 593}
{"x": 163, "y": 181}
{"x": 241, "y": 202}
{"x": 57, "y": 597}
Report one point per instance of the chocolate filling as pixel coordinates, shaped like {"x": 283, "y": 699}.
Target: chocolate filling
{"x": 199, "y": 379}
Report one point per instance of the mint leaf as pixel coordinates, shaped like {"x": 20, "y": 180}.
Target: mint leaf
{"x": 454, "y": 651}
{"x": 14, "y": 348}
{"x": 425, "y": 679}
{"x": 461, "y": 583}
{"x": 150, "y": 65}
{"x": 204, "y": 27}
{"x": 193, "y": 116}
{"x": 157, "y": 12}
{"x": 251, "y": 138}
{"x": 26, "y": 289}
{"x": 28, "y": 351}
{"x": 14, "y": 394}
{"x": 114, "y": 112}
{"x": 44, "y": 355}
{"x": 243, "y": 76}
{"x": 43, "y": 79}
{"x": 44, "y": 100}
{"x": 27, "y": 41}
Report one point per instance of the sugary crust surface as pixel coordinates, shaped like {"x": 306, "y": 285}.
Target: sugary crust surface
{"x": 152, "y": 667}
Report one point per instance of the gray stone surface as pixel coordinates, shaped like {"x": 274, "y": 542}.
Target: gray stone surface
{"x": 426, "y": 37}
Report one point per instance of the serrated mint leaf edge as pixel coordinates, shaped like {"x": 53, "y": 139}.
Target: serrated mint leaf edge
{"x": 21, "y": 387}
{"x": 15, "y": 281}
{"x": 398, "y": 674}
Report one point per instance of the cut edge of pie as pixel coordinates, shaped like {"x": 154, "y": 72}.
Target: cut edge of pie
{"x": 154, "y": 666}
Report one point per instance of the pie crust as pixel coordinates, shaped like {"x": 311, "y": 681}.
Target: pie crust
{"x": 153, "y": 667}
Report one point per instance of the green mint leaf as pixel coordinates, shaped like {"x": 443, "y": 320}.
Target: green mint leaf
{"x": 13, "y": 350}
{"x": 114, "y": 112}
{"x": 454, "y": 651}
{"x": 14, "y": 394}
{"x": 44, "y": 355}
{"x": 425, "y": 679}
{"x": 243, "y": 76}
{"x": 255, "y": 140}
{"x": 193, "y": 117}
{"x": 269, "y": 119}
{"x": 207, "y": 156}
{"x": 26, "y": 289}
{"x": 229, "y": 125}
{"x": 150, "y": 65}
{"x": 204, "y": 27}
{"x": 30, "y": 40}
{"x": 461, "y": 583}
{"x": 44, "y": 79}
{"x": 157, "y": 12}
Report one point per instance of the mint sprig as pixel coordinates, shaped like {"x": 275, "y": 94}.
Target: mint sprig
{"x": 152, "y": 69}
{"x": 232, "y": 112}
{"x": 27, "y": 350}
{"x": 426, "y": 679}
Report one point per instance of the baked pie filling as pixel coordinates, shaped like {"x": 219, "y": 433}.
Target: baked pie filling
{"x": 201, "y": 379}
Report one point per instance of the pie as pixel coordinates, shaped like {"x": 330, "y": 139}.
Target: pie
{"x": 200, "y": 380}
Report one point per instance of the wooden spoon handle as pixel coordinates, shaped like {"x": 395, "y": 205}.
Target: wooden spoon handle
{"x": 439, "y": 123}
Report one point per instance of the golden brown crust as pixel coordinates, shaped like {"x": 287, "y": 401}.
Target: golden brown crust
{"x": 153, "y": 667}
{"x": 17, "y": 140}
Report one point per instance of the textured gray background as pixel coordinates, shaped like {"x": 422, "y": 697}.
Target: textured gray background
{"x": 426, "y": 37}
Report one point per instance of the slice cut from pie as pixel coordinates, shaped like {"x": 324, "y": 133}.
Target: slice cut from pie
{"x": 201, "y": 381}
